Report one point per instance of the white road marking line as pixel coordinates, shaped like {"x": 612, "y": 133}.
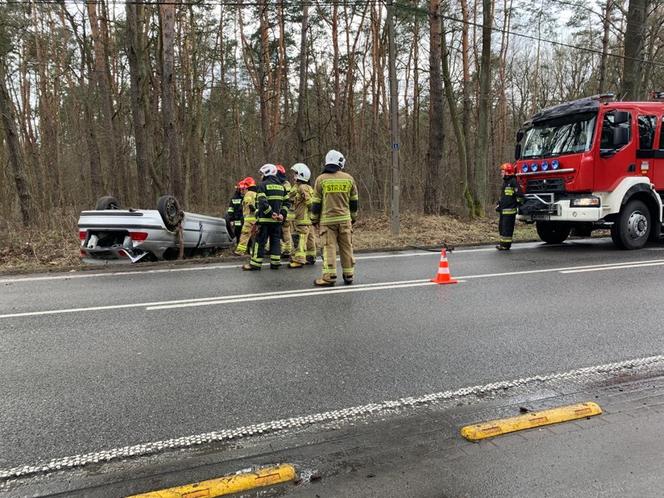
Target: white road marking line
{"x": 274, "y": 296}
{"x": 621, "y": 267}
{"x": 128, "y": 273}
{"x": 181, "y": 303}
{"x": 342, "y": 415}
{"x": 235, "y": 297}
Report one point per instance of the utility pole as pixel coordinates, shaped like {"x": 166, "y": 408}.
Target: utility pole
{"x": 394, "y": 122}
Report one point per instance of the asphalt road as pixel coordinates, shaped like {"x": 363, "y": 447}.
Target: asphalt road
{"x": 78, "y": 379}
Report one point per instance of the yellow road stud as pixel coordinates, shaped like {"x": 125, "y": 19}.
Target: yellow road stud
{"x": 493, "y": 428}
{"x": 235, "y": 483}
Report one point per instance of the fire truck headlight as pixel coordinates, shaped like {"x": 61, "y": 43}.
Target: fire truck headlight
{"x": 589, "y": 201}
{"x": 524, "y": 168}
{"x": 555, "y": 164}
{"x": 534, "y": 167}
{"x": 545, "y": 166}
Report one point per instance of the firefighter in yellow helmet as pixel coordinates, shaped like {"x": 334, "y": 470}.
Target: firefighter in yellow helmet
{"x": 301, "y": 199}
{"x": 334, "y": 208}
{"x": 249, "y": 214}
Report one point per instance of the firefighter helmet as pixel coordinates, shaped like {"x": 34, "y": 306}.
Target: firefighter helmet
{"x": 249, "y": 182}
{"x": 335, "y": 158}
{"x": 508, "y": 169}
{"x": 268, "y": 170}
{"x": 302, "y": 172}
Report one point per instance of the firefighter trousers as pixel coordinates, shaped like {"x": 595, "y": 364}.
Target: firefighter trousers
{"x": 287, "y": 237}
{"x": 245, "y": 236}
{"x": 506, "y": 229}
{"x": 267, "y": 232}
{"x": 304, "y": 239}
{"x": 340, "y": 234}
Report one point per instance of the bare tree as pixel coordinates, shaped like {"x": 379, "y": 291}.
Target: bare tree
{"x": 634, "y": 41}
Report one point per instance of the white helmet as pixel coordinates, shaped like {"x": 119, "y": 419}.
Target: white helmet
{"x": 336, "y": 158}
{"x": 302, "y": 171}
{"x": 268, "y": 170}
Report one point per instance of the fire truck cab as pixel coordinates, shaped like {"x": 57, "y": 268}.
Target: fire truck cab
{"x": 593, "y": 163}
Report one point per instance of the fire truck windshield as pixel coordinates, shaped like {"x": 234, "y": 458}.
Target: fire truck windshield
{"x": 569, "y": 134}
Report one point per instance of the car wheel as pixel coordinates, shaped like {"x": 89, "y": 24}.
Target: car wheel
{"x": 107, "y": 202}
{"x": 552, "y": 233}
{"x": 169, "y": 209}
{"x": 632, "y": 227}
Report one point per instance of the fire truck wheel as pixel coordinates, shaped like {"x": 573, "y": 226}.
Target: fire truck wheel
{"x": 552, "y": 232}
{"x": 632, "y": 227}
{"x": 107, "y": 202}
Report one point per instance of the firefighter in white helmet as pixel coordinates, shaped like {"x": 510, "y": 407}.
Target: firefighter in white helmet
{"x": 334, "y": 208}
{"x": 301, "y": 199}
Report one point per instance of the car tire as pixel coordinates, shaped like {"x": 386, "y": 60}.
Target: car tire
{"x": 552, "y": 232}
{"x": 170, "y": 212}
{"x": 107, "y": 202}
{"x": 632, "y": 227}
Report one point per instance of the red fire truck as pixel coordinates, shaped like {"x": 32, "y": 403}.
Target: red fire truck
{"x": 594, "y": 163}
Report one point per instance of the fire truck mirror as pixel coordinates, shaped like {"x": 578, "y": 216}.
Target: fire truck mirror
{"x": 620, "y": 117}
{"x": 519, "y": 135}
{"x": 517, "y": 152}
{"x": 620, "y": 137}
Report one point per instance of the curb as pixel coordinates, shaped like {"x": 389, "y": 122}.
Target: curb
{"x": 492, "y": 428}
{"x": 226, "y": 485}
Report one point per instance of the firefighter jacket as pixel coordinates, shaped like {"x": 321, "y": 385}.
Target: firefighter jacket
{"x": 271, "y": 198}
{"x": 301, "y": 199}
{"x": 289, "y": 207}
{"x": 509, "y": 197}
{"x": 234, "y": 212}
{"x": 249, "y": 205}
{"x": 335, "y": 197}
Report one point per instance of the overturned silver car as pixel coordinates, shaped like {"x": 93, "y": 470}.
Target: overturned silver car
{"x": 109, "y": 232}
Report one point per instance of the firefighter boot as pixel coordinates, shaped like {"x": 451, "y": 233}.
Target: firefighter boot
{"x": 249, "y": 267}
{"x": 311, "y": 260}
{"x": 321, "y": 282}
{"x": 348, "y": 279}
{"x": 295, "y": 264}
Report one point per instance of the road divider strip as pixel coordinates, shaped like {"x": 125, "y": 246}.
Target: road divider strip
{"x": 334, "y": 416}
{"x": 235, "y": 483}
{"x": 492, "y": 428}
{"x": 615, "y": 267}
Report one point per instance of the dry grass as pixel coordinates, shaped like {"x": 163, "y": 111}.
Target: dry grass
{"x": 57, "y": 247}
{"x": 418, "y": 230}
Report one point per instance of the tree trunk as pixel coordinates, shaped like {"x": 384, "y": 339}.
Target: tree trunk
{"x": 481, "y": 160}
{"x": 436, "y": 119}
{"x": 463, "y": 191}
{"x": 139, "y": 81}
{"x": 634, "y": 42}
{"x": 14, "y": 152}
{"x": 301, "y": 96}
{"x": 168, "y": 110}
{"x": 101, "y": 75}
{"x": 606, "y": 24}
{"x": 263, "y": 86}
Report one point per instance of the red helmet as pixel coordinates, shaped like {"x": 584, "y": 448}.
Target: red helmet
{"x": 508, "y": 169}
{"x": 281, "y": 169}
{"x": 249, "y": 182}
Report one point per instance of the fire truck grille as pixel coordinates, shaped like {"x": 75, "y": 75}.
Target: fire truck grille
{"x": 554, "y": 185}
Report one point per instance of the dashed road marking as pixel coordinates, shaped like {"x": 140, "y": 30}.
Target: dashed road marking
{"x": 341, "y": 415}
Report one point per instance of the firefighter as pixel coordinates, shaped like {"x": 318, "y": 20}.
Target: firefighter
{"x": 249, "y": 215}
{"x": 507, "y": 206}
{"x": 334, "y": 209}
{"x": 287, "y": 227}
{"x": 234, "y": 213}
{"x": 301, "y": 198}
{"x": 270, "y": 215}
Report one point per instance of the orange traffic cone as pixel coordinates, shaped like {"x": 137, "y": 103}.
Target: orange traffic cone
{"x": 443, "y": 276}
